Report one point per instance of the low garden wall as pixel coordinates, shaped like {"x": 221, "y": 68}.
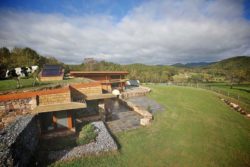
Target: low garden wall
{"x": 18, "y": 141}
{"x": 236, "y": 107}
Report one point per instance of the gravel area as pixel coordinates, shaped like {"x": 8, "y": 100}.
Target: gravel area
{"x": 18, "y": 141}
{"x": 104, "y": 143}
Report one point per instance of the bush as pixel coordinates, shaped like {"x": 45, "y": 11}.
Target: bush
{"x": 87, "y": 134}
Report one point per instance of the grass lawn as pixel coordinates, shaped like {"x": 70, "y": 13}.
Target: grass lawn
{"x": 197, "y": 129}
{"x": 239, "y": 94}
{"x": 11, "y": 84}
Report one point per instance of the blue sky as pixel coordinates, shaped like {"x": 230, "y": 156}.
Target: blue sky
{"x": 118, "y": 9}
{"x": 128, "y": 31}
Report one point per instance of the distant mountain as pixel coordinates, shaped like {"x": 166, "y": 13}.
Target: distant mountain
{"x": 178, "y": 65}
{"x": 199, "y": 64}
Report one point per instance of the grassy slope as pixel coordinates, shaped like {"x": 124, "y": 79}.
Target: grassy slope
{"x": 242, "y": 90}
{"x": 6, "y": 85}
{"x": 197, "y": 129}
{"x": 233, "y": 63}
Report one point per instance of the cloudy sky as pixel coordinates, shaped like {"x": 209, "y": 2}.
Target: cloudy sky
{"x": 127, "y": 31}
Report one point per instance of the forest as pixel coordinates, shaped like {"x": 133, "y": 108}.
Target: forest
{"x": 232, "y": 70}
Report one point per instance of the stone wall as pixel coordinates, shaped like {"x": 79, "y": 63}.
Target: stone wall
{"x": 137, "y": 91}
{"x": 18, "y": 141}
{"x": 54, "y": 98}
{"x": 12, "y": 108}
{"x": 107, "y": 87}
{"x": 56, "y": 78}
{"x": 91, "y": 90}
{"x": 76, "y": 95}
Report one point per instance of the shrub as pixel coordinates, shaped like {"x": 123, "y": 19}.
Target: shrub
{"x": 149, "y": 109}
{"x": 87, "y": 134}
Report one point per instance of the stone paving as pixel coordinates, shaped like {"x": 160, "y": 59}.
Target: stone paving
{"x": 146, "y": 103}
{"x": 122, "y": 118}
{"x": 126, "y": 121}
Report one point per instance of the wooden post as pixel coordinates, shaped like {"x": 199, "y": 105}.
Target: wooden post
{"x": 69, "y": 116}
{"x": 54, "y": 119}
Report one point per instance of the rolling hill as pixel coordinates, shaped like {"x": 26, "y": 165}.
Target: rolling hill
{"x": 190, "y": 65}
{"x": 233, "y": 63}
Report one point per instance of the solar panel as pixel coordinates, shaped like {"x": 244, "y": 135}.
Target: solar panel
{"x": 52, "y": 67}
{"x": 52, "y": 70}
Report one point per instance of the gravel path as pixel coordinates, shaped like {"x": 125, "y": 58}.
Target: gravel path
{"x": 104, "y": 143}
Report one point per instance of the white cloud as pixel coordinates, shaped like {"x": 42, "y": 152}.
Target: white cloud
{"x": 156, "y": 32}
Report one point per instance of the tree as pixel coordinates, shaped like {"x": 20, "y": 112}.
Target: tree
{"x": 236, "y": 76}
{"x": 4, "y": 61}
{"x": 196, "y": 78}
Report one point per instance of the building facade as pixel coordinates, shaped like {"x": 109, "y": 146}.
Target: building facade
{"x": 110, "y": 79}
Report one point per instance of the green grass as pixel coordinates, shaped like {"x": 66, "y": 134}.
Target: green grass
{"x": 239, "y": 94}
{"x": 197, "y": 129}
{"x": 6, "y": 85}
{"x": 243, "y": 90}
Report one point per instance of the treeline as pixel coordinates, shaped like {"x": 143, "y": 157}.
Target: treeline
{"x": 22, "y": 57}
{"x": 144, "y": 73}
{"x": 233, "y": 70}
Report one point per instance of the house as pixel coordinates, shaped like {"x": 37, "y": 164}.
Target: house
{"x": 60, "y": 109}
{"x": 110, "y": 79}
{"x": 52, "y": 73}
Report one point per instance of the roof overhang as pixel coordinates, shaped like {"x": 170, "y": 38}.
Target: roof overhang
{"x": 100, "y": 96}
{"x": 99, "y": 72}
{"x": 59, "y": 107}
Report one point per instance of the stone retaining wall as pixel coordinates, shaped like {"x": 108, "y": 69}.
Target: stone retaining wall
{"x": 55, "y": 78}
{"x": 12, "y": 108}
{"x": 54, "y": 98}
{"x": 139, "y": 91}
{"x": 91, "y": 90}
{"x": 18, "y": 141}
